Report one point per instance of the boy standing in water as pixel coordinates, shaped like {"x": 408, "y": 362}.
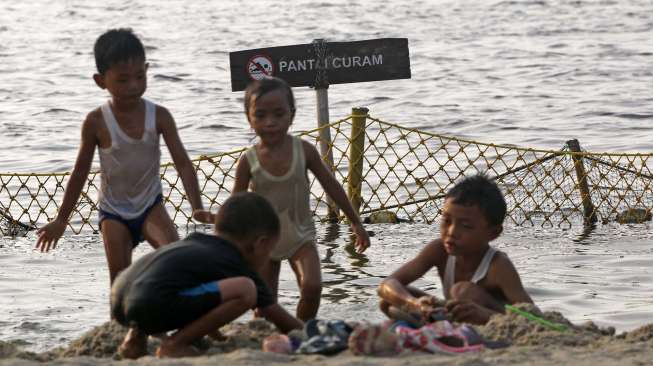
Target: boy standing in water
{"x": 126, "y": 131}
{"x": 203, "y": 282}
{"x": 477, "y": 279}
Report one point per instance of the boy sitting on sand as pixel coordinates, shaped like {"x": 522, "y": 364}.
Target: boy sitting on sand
{"x": 477, "y": 279}
{"x": 202, "y": 282}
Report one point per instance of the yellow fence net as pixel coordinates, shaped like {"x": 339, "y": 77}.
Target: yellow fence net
{"x": 401, "y": 172}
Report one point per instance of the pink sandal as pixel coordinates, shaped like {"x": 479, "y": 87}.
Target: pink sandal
{"x": 439, "y": 337}
{"x": 374, "y": 339}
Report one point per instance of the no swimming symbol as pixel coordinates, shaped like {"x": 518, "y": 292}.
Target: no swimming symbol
{"x": 259, "y": 67}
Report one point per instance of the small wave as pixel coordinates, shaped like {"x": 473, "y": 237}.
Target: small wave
{"x": 217, "y": 52}
{"x": 54, "y": 111}
{"x": 168, "y": 77}
{"x": 636, "y": 116}
{"x": 29, "y": 326}
{"x": 204, "y": 90}
{"x": 16, "y": 127}
{"x": 67, "y": 14}
{"x": 217, "y": 127}
{"x": 491, "y": 110}
{"x": 456, "y": 123}
{"x": 558, "y": 32}
{"x": 530, "y": 66}
{"x": 229, "y": 112}
{"x": 561, "y": 73}
{"x": 323, "y": 5}
{"x": 520, "y": 3}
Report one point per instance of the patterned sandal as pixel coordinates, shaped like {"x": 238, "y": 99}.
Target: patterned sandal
{"x": 440, "y": 337}
{"x": 374, "y": 339}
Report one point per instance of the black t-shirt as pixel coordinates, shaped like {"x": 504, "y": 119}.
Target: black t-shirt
{"x": 190, "y": 262}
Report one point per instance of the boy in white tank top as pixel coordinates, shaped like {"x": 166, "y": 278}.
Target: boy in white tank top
{"x": 126, "y": 132}
{"x": 477, "y": 279}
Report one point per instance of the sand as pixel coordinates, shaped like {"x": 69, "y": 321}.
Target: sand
{"x": 531, "y": 343}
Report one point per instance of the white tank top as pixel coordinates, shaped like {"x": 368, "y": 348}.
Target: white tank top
{"x": 130, "y": 167}
{"x": 289, "y": 194}
{"x": 481, "y": 270}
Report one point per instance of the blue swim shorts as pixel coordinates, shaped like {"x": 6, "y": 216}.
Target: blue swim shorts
{"x": 135, "y": 225}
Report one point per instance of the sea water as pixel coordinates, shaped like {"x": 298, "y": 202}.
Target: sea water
{"x": 530, "y": 73}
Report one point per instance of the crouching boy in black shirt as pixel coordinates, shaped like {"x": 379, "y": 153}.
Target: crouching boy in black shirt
{"x": 202, "y": 282}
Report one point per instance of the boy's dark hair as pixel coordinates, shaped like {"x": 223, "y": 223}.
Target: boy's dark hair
{"x": 258, "y": 88}
{"x": 245, "y": 215}
{"x": 117, "y": 45}
{"x": 480, "y": 190}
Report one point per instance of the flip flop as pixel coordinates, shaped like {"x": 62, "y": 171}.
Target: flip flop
{"x": 374, "y": 340}
{"x": 439, "y": 337}
{"x": 325, "y": 337}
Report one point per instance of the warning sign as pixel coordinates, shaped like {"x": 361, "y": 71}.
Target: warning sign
{"x": 337, "y": 62}
{"x": 259, "y": 67}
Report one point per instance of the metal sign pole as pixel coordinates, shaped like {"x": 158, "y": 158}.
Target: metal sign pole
{"x": 322, "y": 94}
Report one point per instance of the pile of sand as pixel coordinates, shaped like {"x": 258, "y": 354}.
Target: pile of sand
{"x": 520, "y": 331}
{"x": 642, "y": 334}
{"x": 103, "y": 341}
{"x": 8, "y": 350}
{"x": 248, "y": 335}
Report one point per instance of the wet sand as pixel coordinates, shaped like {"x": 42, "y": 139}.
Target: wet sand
{"x": 531, "y": 343}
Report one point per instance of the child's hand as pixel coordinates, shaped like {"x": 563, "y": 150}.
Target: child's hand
{"x": 362, "y": 238}
{"x": 468, "y": 312}
{"x": 49, "y": 235}
{"x": 427, "y": 305}
{"x": 204, "y": 216}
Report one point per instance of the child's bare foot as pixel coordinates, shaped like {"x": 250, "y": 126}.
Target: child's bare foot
{"x": 134, "y": 345}
{"x": 169, "y": 349}
{"x": 217, "y": 335}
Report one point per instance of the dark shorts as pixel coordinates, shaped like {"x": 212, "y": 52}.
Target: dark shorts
{"x": 135, "y": 225}
{"x": 154, "y": 313}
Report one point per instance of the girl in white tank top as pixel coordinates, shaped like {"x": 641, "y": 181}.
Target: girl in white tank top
{"x": 289, "y": 195}
{"x": 276, "y": 167}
